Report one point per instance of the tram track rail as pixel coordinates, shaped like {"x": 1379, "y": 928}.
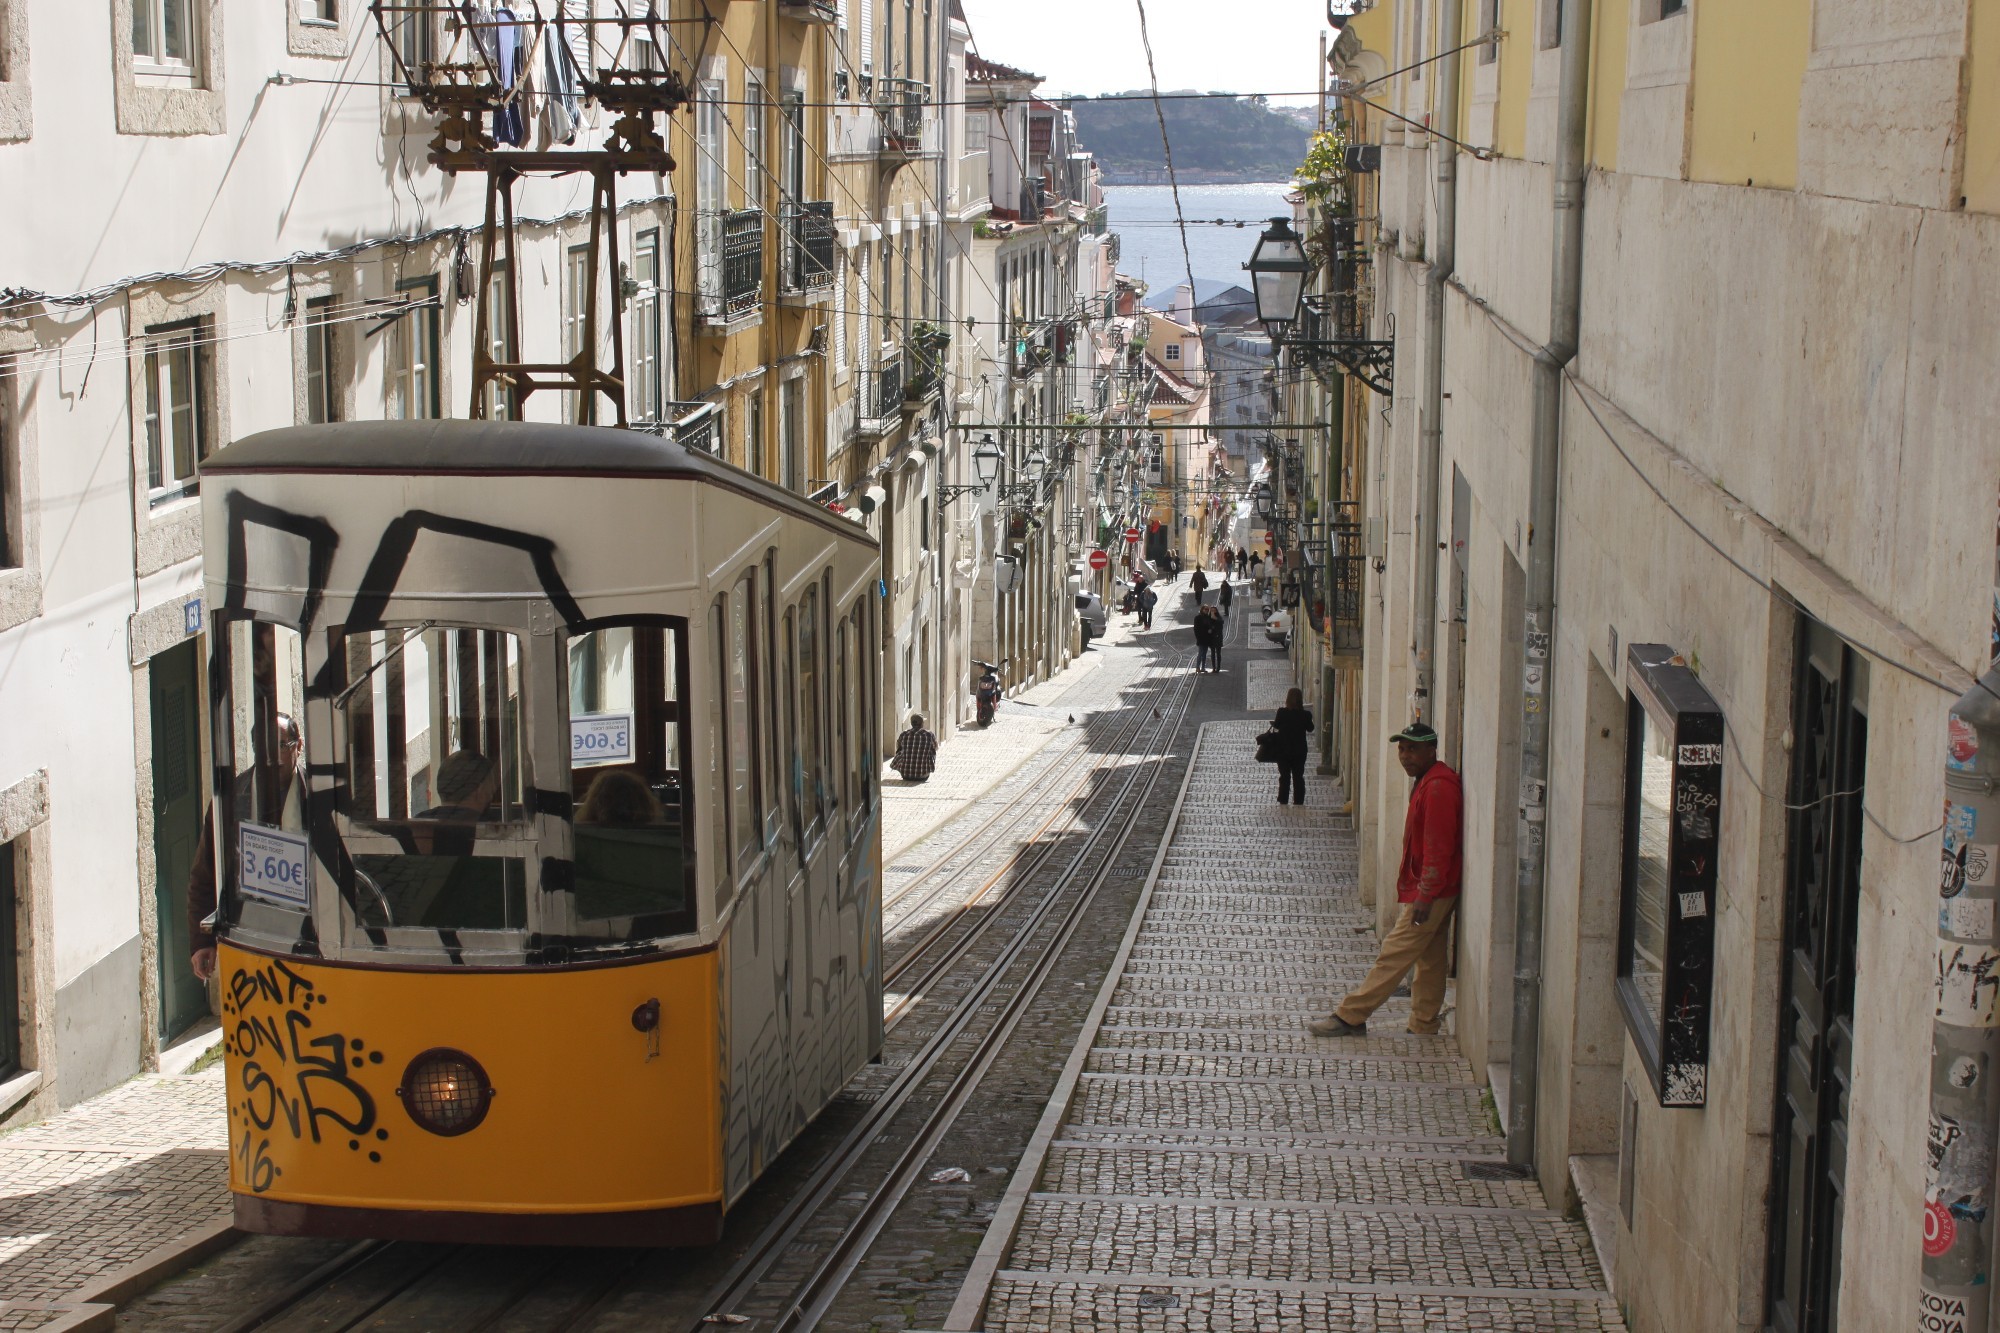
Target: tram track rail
{"x": 809, "y": 1301}
{"x": 364, "y": 1280}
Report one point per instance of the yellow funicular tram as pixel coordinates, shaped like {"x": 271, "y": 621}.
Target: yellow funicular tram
{"x": 566, "y": 917}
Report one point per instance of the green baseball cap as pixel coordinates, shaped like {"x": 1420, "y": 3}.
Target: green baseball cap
{"x": 1417, "y": 733}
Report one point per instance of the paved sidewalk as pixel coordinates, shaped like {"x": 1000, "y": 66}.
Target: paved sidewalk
{"x": 975, "y": 760}
{"x": 1210, "y": 1165}
{"x": 101, "y": 1189}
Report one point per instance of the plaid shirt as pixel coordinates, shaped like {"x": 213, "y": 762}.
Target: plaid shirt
{"x": 916, "y": 753}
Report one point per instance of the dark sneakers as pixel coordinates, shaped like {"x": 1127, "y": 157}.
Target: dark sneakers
{"x": 1333, "y": 1025}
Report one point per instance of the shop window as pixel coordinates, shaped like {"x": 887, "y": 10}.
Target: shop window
{"x": 1673, "y": 794}
{"x": 10, "y": 980}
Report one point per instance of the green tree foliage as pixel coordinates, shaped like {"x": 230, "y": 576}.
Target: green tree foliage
{"x": 1214, "y": 138}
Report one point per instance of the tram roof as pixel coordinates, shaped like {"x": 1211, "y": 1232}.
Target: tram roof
{"x": 499, "y": 449}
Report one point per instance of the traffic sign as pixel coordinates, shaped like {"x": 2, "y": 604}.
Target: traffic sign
{"x": 1132, "y": 534}
{"x": 1099, "y": 560}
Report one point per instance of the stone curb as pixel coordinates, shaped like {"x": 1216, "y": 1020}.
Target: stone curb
{"x": 970, "y": 1307}
{"x": 107, "y": 1293}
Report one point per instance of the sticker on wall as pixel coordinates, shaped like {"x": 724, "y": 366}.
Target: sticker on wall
{"x": 1693, "y": 905}
{"x": 1966, "y": 918}
{"x": 1690, "y": 756}
{"x": 1962, "y": 747}
{"x": 1968, "y": 985}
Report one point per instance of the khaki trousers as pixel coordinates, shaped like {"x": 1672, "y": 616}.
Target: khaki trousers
{"x": 1408, "y": 945}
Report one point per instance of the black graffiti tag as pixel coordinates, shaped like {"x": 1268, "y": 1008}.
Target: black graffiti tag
{"x": 295, "y": 1078}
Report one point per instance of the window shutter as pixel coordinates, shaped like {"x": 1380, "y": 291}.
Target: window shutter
{"x": 867, "y": 36}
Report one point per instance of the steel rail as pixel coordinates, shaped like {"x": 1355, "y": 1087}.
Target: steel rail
{"x": 750, "y": 1270}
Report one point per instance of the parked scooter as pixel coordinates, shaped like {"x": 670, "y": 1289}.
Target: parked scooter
{"x": 988, "y": 693}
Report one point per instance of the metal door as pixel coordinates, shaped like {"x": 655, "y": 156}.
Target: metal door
{"x": 177, "y": 815}
{"x": 1816, "y": 1039}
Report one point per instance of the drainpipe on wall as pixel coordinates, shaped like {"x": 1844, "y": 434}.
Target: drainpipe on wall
{"x": 1565, "y": 312}
{"x": 1443, "y": 246}
{"x": 1958, "y": 1231}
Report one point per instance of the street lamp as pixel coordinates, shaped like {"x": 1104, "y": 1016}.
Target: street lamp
{"x": 1037, "y": 463}
{"x": 1278, "y": 269}
{"x": 986, "y": 461}
{"x": 1263, "y": 500}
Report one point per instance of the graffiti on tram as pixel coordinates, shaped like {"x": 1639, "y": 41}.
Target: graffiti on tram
{"x": 297, "y": 1074}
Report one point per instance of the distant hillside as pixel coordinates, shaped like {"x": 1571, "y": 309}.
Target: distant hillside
{"x": 1216, "y": 139}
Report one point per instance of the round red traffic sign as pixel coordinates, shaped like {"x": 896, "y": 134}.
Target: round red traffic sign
{"x": 1131, "y": 534}
{"x": 1099, "y": 560}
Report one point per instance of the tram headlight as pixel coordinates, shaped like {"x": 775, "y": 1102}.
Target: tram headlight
{"x": 445, "y": 1091}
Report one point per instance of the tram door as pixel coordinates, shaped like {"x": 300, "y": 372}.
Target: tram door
{"x": 174, "y": 680}
{"x": 1816, "y": 1036}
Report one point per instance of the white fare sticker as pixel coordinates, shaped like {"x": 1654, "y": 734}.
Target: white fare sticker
{"x": 1693, "y": 904}
{"x": 599, "y": 738}
{"x": 274, "y": 864}
{"x": 1694, "y": 756}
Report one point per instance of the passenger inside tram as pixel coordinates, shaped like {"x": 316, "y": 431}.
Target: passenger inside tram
{"x": 628, "y": 855}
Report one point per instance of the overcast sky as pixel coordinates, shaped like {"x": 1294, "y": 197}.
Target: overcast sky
{"x": 1092, "y": 46}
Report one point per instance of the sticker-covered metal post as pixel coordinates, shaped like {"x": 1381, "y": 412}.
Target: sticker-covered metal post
{"x": 1958, "y": 1230}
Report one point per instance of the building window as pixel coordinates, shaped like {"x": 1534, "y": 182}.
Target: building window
{"x": 501, "y": 401}
{"x": 412, "y": 354}
{"x": 576, "y": 324}
{"x": 322, "y": 386}
{"x": 1172, "y": 350}
{"x": 320, "y": 11}
{"x": 1552, "y": 28}
{"x": 163, "y": 38}
{"x": 176, "y": 407}
{"x": 753, "y": 138}
{"x": 10, "y": 471}
{"x": 646, "y": 360}
{"x": 753, "y": 431}
{"x": 791, "y": 472}
{"x": 711, "y": 197}
{"x": 413, "y": 44}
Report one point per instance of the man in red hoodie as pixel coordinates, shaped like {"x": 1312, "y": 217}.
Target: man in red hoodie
{"x": 1426, "y": 885}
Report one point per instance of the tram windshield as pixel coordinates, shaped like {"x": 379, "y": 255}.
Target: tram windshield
{"x": 628, "y": 736}
{"x": 434, "y": 774}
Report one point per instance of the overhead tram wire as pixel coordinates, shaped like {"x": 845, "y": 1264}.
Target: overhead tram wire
{"x": 1166, "y": 144}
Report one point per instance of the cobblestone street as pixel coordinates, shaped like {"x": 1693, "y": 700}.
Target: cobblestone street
{"x": 1210, "y": 1165}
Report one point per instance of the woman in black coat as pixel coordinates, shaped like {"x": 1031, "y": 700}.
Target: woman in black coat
{"x": 1293, "y": 722}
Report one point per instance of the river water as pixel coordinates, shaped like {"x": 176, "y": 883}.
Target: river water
{"x": 1149, "y": 244}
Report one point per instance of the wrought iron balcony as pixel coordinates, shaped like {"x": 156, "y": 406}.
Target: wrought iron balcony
{"x": 742, "y": 262}
{"x": 808, "y": 242}
{"x": 810, "y": 11}
{"x": 900, "y": 103}
{"x": 889, "y": 388}
{"x": 697, "y": 425}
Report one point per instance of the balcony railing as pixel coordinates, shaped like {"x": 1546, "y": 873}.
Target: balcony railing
{"x": 808, "y": 244}
{"x": 810, "y": 11}
{"x": 900, "y": 103}
{"x": 696, "y": 425}
{"x": 1098, "y": 220}
{"x": 974, "y": 177}
{"x": 742, "y": 262}
{"x": 889, "y": 388}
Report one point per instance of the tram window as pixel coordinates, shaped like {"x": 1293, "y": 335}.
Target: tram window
{"x": 719, "y": 825}
{"x": 809, "y": 714}
{"x": 265, "y": 857}
{"x": 746, "y": 797}
{"x": 628, "y": 737}
{"x": 435, "y": 741}
{"x": 842, "y": 767}
{"x": 826, "y": 684}
{"x": 767, "y": 666}
{"x": 864, "y": 680}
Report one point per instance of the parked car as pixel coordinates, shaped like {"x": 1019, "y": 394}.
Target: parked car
{"x": 1278, "y": 628}
{"x": 1090, "y": 614}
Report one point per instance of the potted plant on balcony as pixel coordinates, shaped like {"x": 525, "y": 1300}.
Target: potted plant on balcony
{"x": 926, "y": 352}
